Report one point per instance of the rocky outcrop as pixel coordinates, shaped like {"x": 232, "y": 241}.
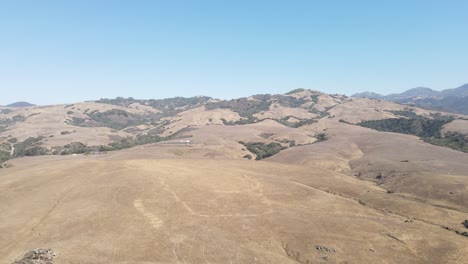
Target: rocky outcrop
{"x": 37, "y": 256}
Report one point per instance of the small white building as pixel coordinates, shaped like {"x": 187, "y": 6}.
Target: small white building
{"x": 186, "y": 142}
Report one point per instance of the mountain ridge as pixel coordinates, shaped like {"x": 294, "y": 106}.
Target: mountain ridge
{"x": 451, "y": 100}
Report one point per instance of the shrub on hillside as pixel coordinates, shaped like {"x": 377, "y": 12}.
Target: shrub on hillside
{"x": 4, "y": 156}
{"x": 465, "y": 223}
{"x": 321, "y": 137}
{"x": 248, "y": 156}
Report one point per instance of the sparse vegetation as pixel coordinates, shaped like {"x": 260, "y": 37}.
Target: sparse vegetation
{"x": 13, "y": 120}
{"x": 320, "y": 113}
{"x": 266, "y": 135}
{"x": 305, "y": 122}
{"x": 315, "y": 98}
{"x": 262, "y": 150}
{"x": 76, "y": 121}
{"x": 290, "y": 142}
{"x": 6, "y": 111}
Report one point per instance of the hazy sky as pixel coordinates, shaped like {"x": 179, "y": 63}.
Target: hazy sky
{"x": 68, "y": 51}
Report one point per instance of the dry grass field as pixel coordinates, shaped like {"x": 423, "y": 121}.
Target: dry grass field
{"x": 92, "y": 210}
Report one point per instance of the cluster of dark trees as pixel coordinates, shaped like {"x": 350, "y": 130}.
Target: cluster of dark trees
{"x": 421, "y": 127}
{"x": 244, "y": 107}
{"x": 243, "y": 121}
{"x": 453, "y": 140}
{"x": 300, "y": 123}
{"x": 73, "y": 148}
{"x": 405, "y": 113}
{"x": 80, "y": 148}
{"x": 430, "y": 130}
{"x": 29, "y": 147}
{"x": 263, "y": 150}
{"x": 286, "y": 101}
{"x": 116, "y": 119}
{"x": 32, "y": 146}
{"x": 131, "y": 142}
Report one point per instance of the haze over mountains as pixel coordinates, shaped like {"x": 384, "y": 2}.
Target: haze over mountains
{"x": 450, "y": 100}
{"x": 301, "y": 177}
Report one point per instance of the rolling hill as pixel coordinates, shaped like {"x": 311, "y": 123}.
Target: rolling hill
{"x": 303, "y": 177}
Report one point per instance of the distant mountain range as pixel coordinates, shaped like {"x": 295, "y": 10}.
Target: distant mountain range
{"x": 450, "y": 100}
{"x": 20, "y": 104}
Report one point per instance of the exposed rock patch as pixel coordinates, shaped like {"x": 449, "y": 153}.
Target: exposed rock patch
{"x": 37, "y": 256}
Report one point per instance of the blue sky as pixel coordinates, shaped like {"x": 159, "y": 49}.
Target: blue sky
{"x": 69, "y": 51}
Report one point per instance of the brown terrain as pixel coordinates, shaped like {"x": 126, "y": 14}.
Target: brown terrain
{"x": 193, "y": 196}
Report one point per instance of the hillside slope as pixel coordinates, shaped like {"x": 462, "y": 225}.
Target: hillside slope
{"x": 212, "y": 211}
